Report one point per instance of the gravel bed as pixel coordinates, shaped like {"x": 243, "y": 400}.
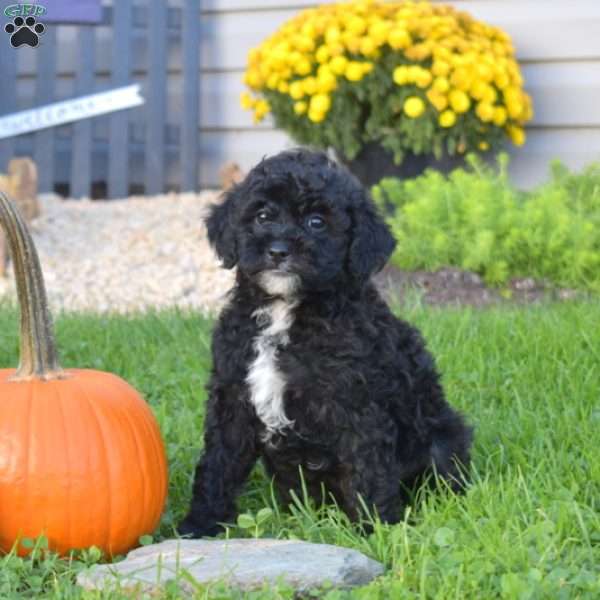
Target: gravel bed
{"x": 152, "y": 252}
{"x": 127, "y": 255}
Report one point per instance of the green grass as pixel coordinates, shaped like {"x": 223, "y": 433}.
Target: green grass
{"x": 529, "y": 525}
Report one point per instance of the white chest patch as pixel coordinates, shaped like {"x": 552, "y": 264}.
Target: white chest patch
{"x": 264, "y": 378}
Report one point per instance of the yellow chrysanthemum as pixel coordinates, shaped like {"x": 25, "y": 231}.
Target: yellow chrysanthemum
{"x": 500, "y": 116}
{"x": 440, "y": 68}
{"x": 485, "y": 112}
{"x": 516, "y": 134}
{"x": 440, "y": 101}
{"x": 309, "y": 85}
{"x": 459, "y": 101}
{"x": 303, "y": 66}
{"x": 447, "y": 119}
{"x": 300, "y": 107}
{"x": 400, "y": 75}
{"x": 399, "y": 38}
{"x": 338, "y": 65}
{"x": 261, "y": 108}
{"x": 322, "y": 54}
{"x": 320, "y": 103}
{"x": 296, "y": 90}
{"x": 354, "y": 71}
{"x": 441, "y": 85}
{"x": 445, "y": 59}
{"x": 367, "y": 47}
{"x": 316, "y": 117}
{"x": 424, "y": 78}
{"x": 246, "y": 101}
{"x": 414, "y": 107}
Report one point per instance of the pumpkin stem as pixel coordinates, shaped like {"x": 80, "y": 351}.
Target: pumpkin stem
{"x": 38, "y": 358}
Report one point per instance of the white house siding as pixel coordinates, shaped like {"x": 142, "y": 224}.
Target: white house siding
{"x": 557, "y": 41}
{"x": 558, "y": 45}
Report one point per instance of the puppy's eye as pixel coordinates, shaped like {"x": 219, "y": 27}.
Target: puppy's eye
{"x": 315, "y": 222}
{"x": 262, "y": 217}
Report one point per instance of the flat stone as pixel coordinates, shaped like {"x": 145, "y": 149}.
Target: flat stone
{"x": 242, "y": 563}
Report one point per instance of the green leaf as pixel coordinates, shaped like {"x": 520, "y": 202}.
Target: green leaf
{"x": 246, "y": 521}
{"x": 264, "y": 514}
{"x": 443, "y": 537}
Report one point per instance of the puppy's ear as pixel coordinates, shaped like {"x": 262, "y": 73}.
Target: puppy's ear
{"x": 221, "y": 230}
{"x": 372, "y": 242}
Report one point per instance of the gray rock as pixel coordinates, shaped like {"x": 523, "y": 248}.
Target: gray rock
{"x": 242, "y": 563}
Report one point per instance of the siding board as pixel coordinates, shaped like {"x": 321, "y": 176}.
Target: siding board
{"x": 226, "y": 37}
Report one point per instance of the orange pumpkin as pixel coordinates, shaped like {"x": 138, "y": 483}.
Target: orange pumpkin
{"x": 81, "y": 457}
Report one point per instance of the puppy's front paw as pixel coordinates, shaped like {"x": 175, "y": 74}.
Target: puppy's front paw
{"x": 189, "y": 528}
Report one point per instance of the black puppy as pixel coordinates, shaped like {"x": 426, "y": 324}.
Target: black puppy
{"x": 311, "y": 371}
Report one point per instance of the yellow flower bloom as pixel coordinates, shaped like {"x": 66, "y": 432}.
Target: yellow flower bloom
{"x": 351, "y": 42}
{"x": 367, "y": 47}
{"x": 333, "y": 34}
{"x": 316, "y": 117}
{"x": 326, "y": 81}
{"x": 320, "y": 103}
{"x": 414, "y": 107}
{"x": 354, "y": 71}
{"x": 309, "y": 85}
{"x": 485, "y": 112}
{"x": 303, "y": 66}
{"x": 322, "y": 55}
{"x": 296, "y": 90}
{"x": 516, "y": 134}
{"x": 399, "y": 38}
{"x": 500, "y": 116}
{"x": 438, "y": 100}
{"x": 357, "y": 25}
{"x": 300, "y": 107}
{"x": 339, "y": 64}
{"x": 461, "y": 79}
{"x": 441, "y": 85}
{"x": 400, "y": 75}
{"x": 456, "y": 65}
{"x": 261, "y": 108}
{"x": 336, "y": 49}
{"x": 273, "y": 81}
{"x": 478, "y": 88}
{"x": 440, "y": 68}
{"x": 379, "y": 31}
{"x": 459, "y": 101}
{"x": 423, "y": 79}
{"x": 246, "y": 101}
{"x": 501, "y": 80}
{"x": 447, "y": 119}
{"x": 304, "y": 43}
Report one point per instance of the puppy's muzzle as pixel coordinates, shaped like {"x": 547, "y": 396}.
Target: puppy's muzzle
{"x": 278, "y": 252}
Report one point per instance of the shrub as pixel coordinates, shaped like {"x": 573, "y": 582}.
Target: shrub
{"x": 412, "y": 76}
{"x": 477, "y": 220}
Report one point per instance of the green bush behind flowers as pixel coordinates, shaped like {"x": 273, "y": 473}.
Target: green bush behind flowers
{"x": 476, "y": 219}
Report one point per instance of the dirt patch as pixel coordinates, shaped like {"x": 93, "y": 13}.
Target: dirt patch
{"x": 454, "y": 286}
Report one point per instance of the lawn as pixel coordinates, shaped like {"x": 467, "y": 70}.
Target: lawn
{"x": 529, "y": 526}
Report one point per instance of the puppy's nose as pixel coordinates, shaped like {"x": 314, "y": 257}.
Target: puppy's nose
{"x": 278, "y": 251}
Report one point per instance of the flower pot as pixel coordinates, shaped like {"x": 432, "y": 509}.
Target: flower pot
{"x": 374, "y": 162}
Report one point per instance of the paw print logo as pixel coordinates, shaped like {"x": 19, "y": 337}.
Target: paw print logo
{"x": 24, "y": 31}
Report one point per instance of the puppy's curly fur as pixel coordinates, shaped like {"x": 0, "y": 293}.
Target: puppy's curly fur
{"x": 311, "y": 371}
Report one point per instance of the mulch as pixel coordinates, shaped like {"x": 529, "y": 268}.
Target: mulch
{"x": 452, "y": 286}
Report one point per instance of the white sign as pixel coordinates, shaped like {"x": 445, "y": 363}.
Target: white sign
{"x": 68, "y": 111}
